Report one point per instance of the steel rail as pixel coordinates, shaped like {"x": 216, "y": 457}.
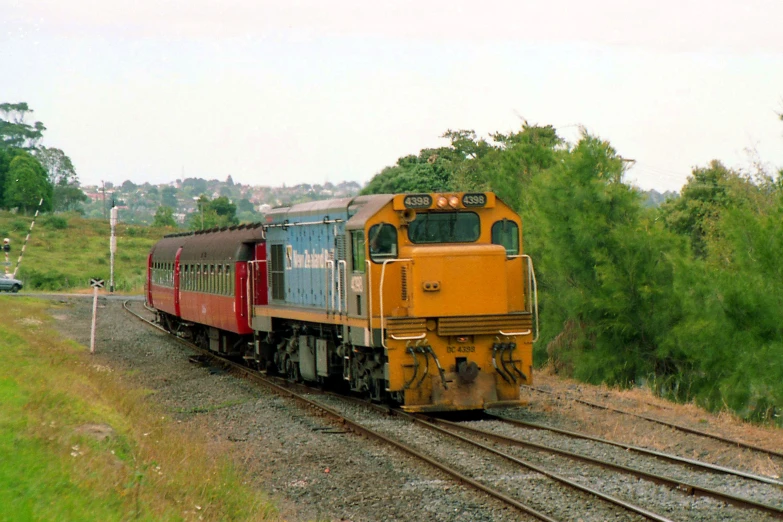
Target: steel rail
{"x": 429, "y": 423}
{"x": 432, "y": 424}
{"x": 352, "y": 425}
{"x": 697, "y": 464}
{"x": 676, "y": 484}
{"x": 680, "y": 427}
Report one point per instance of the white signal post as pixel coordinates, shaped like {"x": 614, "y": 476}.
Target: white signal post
{"x": 6, "y": 249}
{"x": 112, "y": 246}
{"x": 96, "y": 284}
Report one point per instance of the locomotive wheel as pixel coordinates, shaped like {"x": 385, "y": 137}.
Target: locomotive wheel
{"x": 292, "y": 370}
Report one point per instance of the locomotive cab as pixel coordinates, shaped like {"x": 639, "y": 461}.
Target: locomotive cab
{"x": 448, "y": 299}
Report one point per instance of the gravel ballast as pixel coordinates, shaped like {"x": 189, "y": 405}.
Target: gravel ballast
{"x": 315, "y": 470}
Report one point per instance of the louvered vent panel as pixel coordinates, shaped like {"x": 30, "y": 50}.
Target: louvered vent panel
{"x": 340, "y": 246}
{"x": 405, "y": 325}
{"x": 484, "y": 324}
{"x": 404, "y": 280}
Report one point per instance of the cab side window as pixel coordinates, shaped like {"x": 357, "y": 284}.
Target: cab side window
{"x": 506, "y": 233}
{"x": 383, "y": 242}
{"x": 357, "y": 250}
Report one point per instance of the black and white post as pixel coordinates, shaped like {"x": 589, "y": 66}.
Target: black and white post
{"x": 26, "y": 239}
{"x": 112, "y": 246}
{"x": 95, "y": 284}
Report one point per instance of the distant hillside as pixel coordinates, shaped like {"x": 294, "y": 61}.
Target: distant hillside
{"x": 65, "y": 251}
{"x": 138, "y": 203}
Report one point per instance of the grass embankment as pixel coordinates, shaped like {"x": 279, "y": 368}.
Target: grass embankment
{"x": 65, "y": 251}
{"x": 78, "y": 443}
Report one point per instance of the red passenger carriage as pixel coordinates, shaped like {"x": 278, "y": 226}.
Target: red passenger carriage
{"x": 198, "y": 282}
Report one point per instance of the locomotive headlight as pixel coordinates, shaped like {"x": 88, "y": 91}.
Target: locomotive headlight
{"x": 442, "y": 202}
{"x": 453, "y": 201}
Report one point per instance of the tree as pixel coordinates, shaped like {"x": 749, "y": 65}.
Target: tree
{"x": 219, "y": 212}
{"x": 195, "y": 185}
{"x": 605, "y": 268}
{"x": 14, "y": 131}
{"x": 427, "y": 172}
{"x": 164, "y": 217}
{"x": 226, "y": 210}
{"x": 63, "y": 177}
{"x": 26, "y": 184}
{"x": 245, "y": 205}
{"x": 707, "y": 193}
{"x": 58, "y": 166}
{"x": 168, "y": 197}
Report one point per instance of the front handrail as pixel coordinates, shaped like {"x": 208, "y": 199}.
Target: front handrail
{"x": 369, "y": 295}
{"x": 330, "y": 264}
{"x": 531, "y": 292}
{"x": 409, "y": 338}
{"x": 341, "y": 263}
{"x": 513, "y": 334}
{"x": 380, "y": 295}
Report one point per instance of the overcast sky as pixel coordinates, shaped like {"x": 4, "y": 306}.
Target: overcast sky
{"x": 313, "y": 91}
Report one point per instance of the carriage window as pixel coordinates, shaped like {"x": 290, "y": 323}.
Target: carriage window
{"x": 444, "y": 227}
{"x": 357, "y": 250}
{"x": 230, "y": 280}
{"x": 506, "y": 233}
{"x": 383, "y": 242}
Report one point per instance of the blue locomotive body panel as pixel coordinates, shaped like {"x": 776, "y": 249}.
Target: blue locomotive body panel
{"x": 308, "y": 240}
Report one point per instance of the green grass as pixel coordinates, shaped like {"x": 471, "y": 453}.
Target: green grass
{"x": 65, "y": 251}
{"x": 51, "y": 466}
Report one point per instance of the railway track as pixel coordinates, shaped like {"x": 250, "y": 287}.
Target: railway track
{"x": 679, "y": 427}
{"x": 450, "y": 429}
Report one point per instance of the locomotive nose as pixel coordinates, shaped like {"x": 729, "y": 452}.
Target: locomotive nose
{"x": 467, "y": 372}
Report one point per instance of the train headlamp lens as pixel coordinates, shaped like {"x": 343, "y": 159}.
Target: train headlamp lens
{"x": 442, "y": 202}
{"x": 453, "y": 201}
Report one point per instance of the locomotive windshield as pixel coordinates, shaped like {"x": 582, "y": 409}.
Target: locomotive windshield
{"x": 444, "y": 227}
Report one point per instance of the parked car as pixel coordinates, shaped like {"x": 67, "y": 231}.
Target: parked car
{"x": 9, "y": 284}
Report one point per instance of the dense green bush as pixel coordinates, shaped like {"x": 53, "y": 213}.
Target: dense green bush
{"x": 54, "y": 222}
{"x": 687, "y": 299}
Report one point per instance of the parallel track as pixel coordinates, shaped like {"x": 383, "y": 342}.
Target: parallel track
{"x": 654, "y": 477}
{"x": 284, "y": 388}
{"x": 695, "y": 464}
{"x": 679, "y": 427}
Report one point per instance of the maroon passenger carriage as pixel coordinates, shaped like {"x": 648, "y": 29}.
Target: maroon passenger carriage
{"x": 198, "y": 283}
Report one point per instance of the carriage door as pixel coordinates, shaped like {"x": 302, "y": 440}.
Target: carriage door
{"x": 177, "y": 269}
{"x": 148, "y": 283}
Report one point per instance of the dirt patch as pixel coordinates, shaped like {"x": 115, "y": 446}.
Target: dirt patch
{"x": 98, "y": 432}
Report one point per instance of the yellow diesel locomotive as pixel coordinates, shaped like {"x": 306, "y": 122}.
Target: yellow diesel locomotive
{"x": 424, "y": 299}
